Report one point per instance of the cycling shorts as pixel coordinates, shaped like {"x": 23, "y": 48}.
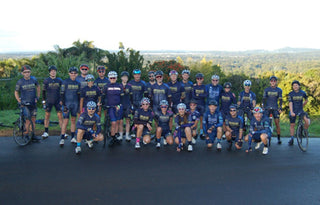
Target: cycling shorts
{"x": 115, "y": 114}
{"x": 73, "y": 109}
{"x": 275, "y": 113}
{"x": 30, "y": 111}
{"x": 293, "y": 119}
{"x": 201, "y": 109}
{"x": 50, "y": 105}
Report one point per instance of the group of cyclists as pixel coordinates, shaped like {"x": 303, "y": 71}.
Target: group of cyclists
{"x": 178, "y": 111}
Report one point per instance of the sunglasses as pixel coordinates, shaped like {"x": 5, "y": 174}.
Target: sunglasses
{"x": 151, "y": 76}
{"x": 163, "y": 106}
{"x": 199, "y": 78}
{"x": 192, "y": 104}
{"x": 84, "y": 69}
{"x": 159, "y": 76}
{"x": 26, "y": 71}
{"x": 233, "y": 110}
{"x": 215, "y": 80}
{"x": 112, "y": 78}
{"x": 101, "y": 71}
{"x": 91, "y": 108}
{"x": 73, "y": 73}
{"x": 145, "y": 104}
{"x": 91, "y": 80}
{"x": 247, "y": 85}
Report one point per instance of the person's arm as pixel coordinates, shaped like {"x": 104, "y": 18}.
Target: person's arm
{"x": 16, "y": 95}
{"x": 81, "y": 105}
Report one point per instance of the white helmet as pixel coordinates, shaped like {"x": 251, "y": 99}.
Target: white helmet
{"x": 112, "y": 74}
{"x": 215, "y": 77}
{"x": 181, "y": 106}
{"x": 247, "y": 83}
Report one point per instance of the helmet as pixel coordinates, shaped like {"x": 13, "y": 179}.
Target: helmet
{"x": 151, "y": 73}
{"x": 227, "y": 85}
{"x": 124, "y": 73}
{"x": 199, "y": 75}
{"x": 164, "y": 102}
{"x": 213, "y": 102}
{"x": 89, "y": 77}
{"x": 295, "y": 82}
{"x": 247, "y": 83}
{"x": 136, "y": 71}
{"x": 173, "y": 72}
{"x": 145, "y": 100}
{"x": 84, "y": 66}
{"x": 101, "y": 67}
{"x": 73, "y": 69}
{"x": 181, "y": 106}
{"x": 215, "y": 77}
{"x": 232, "y": 107}
{"x": 186, "y": 71}
{"x": 112, "y": 74}
{"x": 25, "y": 67}
{"x": 273, "y": 78}
{"x": 158, "y": 72}
{"x": 52, "y": 67}
{"x": 91, "y": 104}
{"x": 193, "y": 101}
{"x": 257, "y": 110}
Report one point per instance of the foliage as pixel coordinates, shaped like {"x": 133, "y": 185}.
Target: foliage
{"x": 166, "y": 67}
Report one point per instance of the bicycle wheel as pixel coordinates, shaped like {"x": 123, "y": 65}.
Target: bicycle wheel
{"x": 21, "y": 135}
{"x": 302, "y": 138}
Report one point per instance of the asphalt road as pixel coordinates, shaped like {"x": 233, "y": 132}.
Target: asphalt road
{"x": 44, "y": 173}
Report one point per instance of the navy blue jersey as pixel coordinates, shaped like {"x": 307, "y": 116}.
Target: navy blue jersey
{"x": 163, "y": 120}
{"x": 82, "y": 80}
{"x": 271, "y": 96}
{"x": 297, "y": 100}
{"x": 143, "y": 117}
{"x": 214, "y": 92}
{"x": 51, "y": 88}
{"x": 199, "y": 93}
{"x": 127, "y": 95}
{"x": 149, "y": 85}
{"x": 85, "y": 122}
{"x": 101, "y": 82}
{"x": 188, "y": 92}
{"x": 227, "y": 98}
{"x": 90, "y": 94}
{"x": 210, "y": 120}
{"x": 28, "y": 90}
{"x": 235, "y": 123}
{"x": 184, "y": 121}
{"x": 159, "y": 92}
{"x": 246, "y": 99}
{"x": 194, "y": 116}
{"x": 139, "y": 89}
{"x": 177, "y": 92}
{"x": 70, "y": 91}
{"x": 261, "y": 126}
{"x": 112, "y": 93}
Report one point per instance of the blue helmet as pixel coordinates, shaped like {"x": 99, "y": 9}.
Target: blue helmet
{"x": 91, "y": 104}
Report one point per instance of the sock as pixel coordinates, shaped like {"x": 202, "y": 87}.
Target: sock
{"x": 158, "y": 140}
{"x": 121, "y": 134}
{"x": 292, "y": 137}
{"x": 62, "y": 136}
{"x": 278, "y": 137}
{"x": 78, "y": 144}
{"x": 189, "y": 142}
{"x": 138, "y": 140}
{"x": 265, "y": 145}
{"x": 127, "y": 134}
{"x": 72, "y": 134}
{"x": 218, "y": 140}
{"x": 46, "y": 129}
{"x": 201, "y": 131}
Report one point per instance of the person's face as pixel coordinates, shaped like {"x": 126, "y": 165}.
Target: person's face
{"x": 273, "y": 83}
{"x": 193, "y": 106}
{"x": 53, "y": 73}
{"x": 73, "y": 75}
{"x": 212, "y": 108}
{"x": 258, "y": 116}
{"x": 181, "y": 111}
{"x": 26, "y": 74}
{"x": 295, "y": 87}
{"x": 185, "y": 76}
{"x": 151, "y": 77}
{"x": 173, "y": 77}
{"x": 215, "y": 81}
{"x": 137, "y": 77}
{"x": 101, "y": 73}
{"x": 227, "y": 90}
{"x": 199, "y": 81}
{"x": 247, "y": 88}
{"x": 91, "y": 111}
{"x": 84, "y": 71}
{"x": 163, "y": 108}
{"x": 124, "y": 78}
{"x": 233, "y": 112}
{"x": 145, "y": 106}
{"x": 159, "y": 78}
{"x": 90, "y": 83}
{"x": 113, "y": 80}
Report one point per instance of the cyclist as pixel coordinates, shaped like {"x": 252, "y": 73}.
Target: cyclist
{"x": 51, "y": 97}
{"x": 101, "y": 81}
{"x": 234, "y": 128}
{"x": 187, "y": 86}
{"x": 214, "y": 90}
{"x": 126, "y": 100}
{"x": 212, "y": 125}
{"x": 159, "y": 91}
{"x": 87, "y": 122}
{"x": 27, "y": 94}
{"x": 297, "y": 100}
{"x": 182, "y": 132}
{"x": 177, "y": 90}
{"x": 84, "y": 69}
{"x": 199, "y": 93}
{"x": 194, "y": 118}
{"x": 139, "y": 89}
{"x": 143, "y": 122}
{"x": 246, "y": 101}
{"x": 70, "y": 99}
{"x": 152, "y": 80}
{"x": 164, "y": 124}
{"x": 90, "y": 93}
{"x": 113, "y": 92}
{"x": 259, "y": 131}
{"x": 227, "y": 98}
{"x": 271, "y": 97}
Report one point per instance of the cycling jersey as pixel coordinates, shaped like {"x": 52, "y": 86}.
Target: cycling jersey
{"x": 70, "y": 91}
{"x": 235, "y": 124}
{"x": 127, "y": 95}
{"x": 143, "y": 117}
{"x": 210, "y": 120}
{"x": 227, "y": 99}
{"x": 188, "y": 92}
{"x": 28, "y": 90}
{"x": 90, "y": 94}
{"x": 85, "y": 122}
{"x": 101, "y": 82}
{"x": 82, "y": 81}
{"x": 149, "y": 85}
{"x": 177, "y": 92}
{"x": 214, "y": 92}
{"x": 199, "y": 93}
{"x": 297, "y": 100}
{"x": 163, "y": 119}
{"x": 139, "y": 89}
{"x": 112, "y": 93}
{"x": 271, "y": 97}
{"x": 158, "y": 93}
{"x": 246, "y": 99}
{"x": 51, "y": 90}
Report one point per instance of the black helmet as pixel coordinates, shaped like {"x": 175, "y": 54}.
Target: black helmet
{"x": 52, "y": 67}
{"x": 101, "y": 67}
{"x": 158, "y": 72}
{"x": 295, "y": 82}
{"x": 124, "y": 73}
{"x": 82, "y": 66}
{"x": 213, "y": 102}
{"x": 273, "y": 78}
{"x": 151, "y": 73}
{"x": 25, "y": 67}
{"x": 199, "y": 75}
{"x": 227, "y": 85}
{"x": 73, "y": 69}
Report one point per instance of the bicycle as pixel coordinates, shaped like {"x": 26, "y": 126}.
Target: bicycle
{"x": 302, "y": 134}
{"x": 22, "y": 135}
{"x": 3, "y": 125}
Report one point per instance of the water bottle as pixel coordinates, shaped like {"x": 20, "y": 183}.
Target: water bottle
{"x": 44, "y": 105}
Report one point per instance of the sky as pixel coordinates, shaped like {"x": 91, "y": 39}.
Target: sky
{"x": 197, "y": 25}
